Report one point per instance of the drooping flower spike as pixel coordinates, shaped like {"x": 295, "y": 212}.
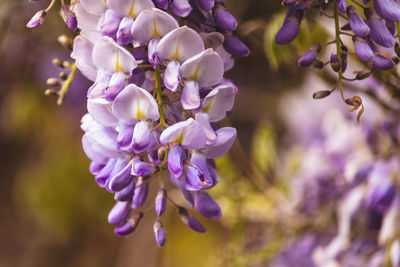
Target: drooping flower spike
{"x": 158, "y": 91}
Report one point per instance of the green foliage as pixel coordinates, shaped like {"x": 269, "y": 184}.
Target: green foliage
{"x": 263, "y": 149}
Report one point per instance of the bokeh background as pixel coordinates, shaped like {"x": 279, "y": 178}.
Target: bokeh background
{"x": 54, "y": 214}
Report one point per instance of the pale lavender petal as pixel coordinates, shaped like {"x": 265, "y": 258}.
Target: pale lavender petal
{"x": 117, "y": 83}
{"x": 111, "y": 57}
{"x": 94, "y": 6}
{"x": 152, "y": 24}
{"x": 91, "y": 153}
{"x": 124, "y": 33}
{"x": 181, "y": 8}
{"x": 190, "y": 95}
{"x": 86, "y": 20}
{"x": 176, "y": 156}
{"x": 204, "y": 121}
{"x": 98, "y": 89}
{"x": 125, "y": 133}
{"x": 110, "y": 24}
{"x": 180, "y": 44}
{"x": 135, "y": 103}
{"x": 225, "y": 138}
{"x": 129, "y": 8}
{"x": 188, "y": 133}
{"x": 171, "y": 76}
{"x": 82, "y": 53}
{"x": 100, "y": 110}
{"x": 141, "y": 137}
{"x": 152, "y": 53}
{"x": 206, "y": 68}
{"x": 219, "y": 101}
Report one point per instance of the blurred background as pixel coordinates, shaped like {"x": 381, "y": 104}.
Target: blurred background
{"x": 54, "y": 214}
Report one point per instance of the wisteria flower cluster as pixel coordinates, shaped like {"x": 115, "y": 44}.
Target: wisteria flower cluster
{"x": 373, "y": 33}
{"x": 349, "y": 173}
{"x": 158, "y": 93}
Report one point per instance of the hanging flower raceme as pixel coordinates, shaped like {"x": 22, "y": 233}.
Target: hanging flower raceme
{"x": 158, "y": 92}
{"x": 373, "y": 32}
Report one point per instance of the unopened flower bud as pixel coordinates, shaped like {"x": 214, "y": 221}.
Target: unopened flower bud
{"x": 190, "y": 221}
{"x": 119, "y": 212}
{"x": 37, "y": 19}
{"x": 69, "y": 17}
{"x": 343, "y": 58}
{"x": 63, "y": 75}
{"x": 58, "y": 62}
{"x": 161, "y": 201}
{"x": 341, "y": 5}
{"x": 206, "y": 4}
{"x": 140, "y": 194}
{"x": 291, "y": 25}
{"x": 288, "y": 2}
{"x": 129, "y": 226}
{"x": 225, "y": 20}
{"x": 66, "y": 65}
{"x": 310, "y": 56}
{"x": 65, "y": 41}
{"x": 50, "y": 91}
{"x": 382, "y": 63}
{"x": 318, "y": 64}
{"x": 321, "y": 94}
{"x": 397, "y": 49}
{"x": 161, "y": 153}
{"x": 53, "y": 82}
{"x": 356, "y": 23}
{"x": 335, "y": 63}
{"x": 159, "y": 233}
{"x": 363, "y": 74}
{"x": 235, "y": 47}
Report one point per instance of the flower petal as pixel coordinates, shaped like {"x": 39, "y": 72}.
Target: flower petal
{"x": 180, "y": 44}
{"x": 188, "y": 133}
{"x": 206, "y": 68}
{"x": 135, "y": 103}
{"x": 225, "y": 138}
{"x": 190, "y": 95}
{"x": 111, "y": 57}
{"x": 152, "y": 24}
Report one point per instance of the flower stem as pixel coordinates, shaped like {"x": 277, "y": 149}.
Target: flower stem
{"x": 159, "y": 97}
{"x": 338, "y": 48}
{"x": 65, "y": 87}
{"x": 50, "y": 6}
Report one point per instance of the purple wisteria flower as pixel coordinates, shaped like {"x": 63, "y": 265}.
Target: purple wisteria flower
{"x": 158, "y": 92}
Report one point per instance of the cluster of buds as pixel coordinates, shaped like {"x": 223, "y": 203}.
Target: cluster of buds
{"x": 371, "y": 27}
{"x": 157, "y": 96}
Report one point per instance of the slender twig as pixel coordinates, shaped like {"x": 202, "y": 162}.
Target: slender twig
{"x": 65, "y": 86}
{"x": 338, "y": 48}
